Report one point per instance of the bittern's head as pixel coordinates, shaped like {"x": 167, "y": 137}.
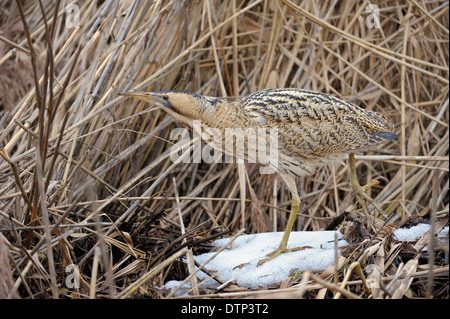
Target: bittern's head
{"x": 184, "y": 107}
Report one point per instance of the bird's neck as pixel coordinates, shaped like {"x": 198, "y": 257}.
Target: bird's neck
{"x": 222, "y": 114}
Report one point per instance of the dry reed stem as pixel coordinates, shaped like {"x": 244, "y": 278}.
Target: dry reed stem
{"x": 86, "y": 177}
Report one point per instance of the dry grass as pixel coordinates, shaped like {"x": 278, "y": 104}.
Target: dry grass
{"x": 86, "y": 178}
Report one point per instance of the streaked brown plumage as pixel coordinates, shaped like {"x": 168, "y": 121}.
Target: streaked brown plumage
{"x": 313, "y": 129}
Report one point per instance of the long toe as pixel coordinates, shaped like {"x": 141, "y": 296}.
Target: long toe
{"x": 280, "y": 251}
{"x": 362, "y": 192}
{"x": 270, "y": 256}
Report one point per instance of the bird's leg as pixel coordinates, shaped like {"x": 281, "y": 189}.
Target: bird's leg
{"x": 361, "y": 191}
{"x": 295, "y": 206}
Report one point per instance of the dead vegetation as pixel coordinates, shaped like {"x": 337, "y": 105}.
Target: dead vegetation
{"x": 88, "y": 190}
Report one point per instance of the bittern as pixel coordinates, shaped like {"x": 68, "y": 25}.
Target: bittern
{"x": 313, "y": 129}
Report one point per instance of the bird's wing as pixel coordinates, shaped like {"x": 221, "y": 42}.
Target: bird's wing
{"x": 315, "y": 125}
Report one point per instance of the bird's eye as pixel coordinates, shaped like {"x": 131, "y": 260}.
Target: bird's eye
{"x": 165, "y": 97}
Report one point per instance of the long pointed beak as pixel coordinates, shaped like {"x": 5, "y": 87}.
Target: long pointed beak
{"x": 150, "y": 97}
{"x": 143, "y": 96}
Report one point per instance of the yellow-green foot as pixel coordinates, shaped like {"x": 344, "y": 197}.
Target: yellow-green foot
{"x": 361, "y": 191}
{"x": 280, "y": 251}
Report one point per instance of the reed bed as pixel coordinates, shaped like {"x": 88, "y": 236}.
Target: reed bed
{"x": 90, "y": 200}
